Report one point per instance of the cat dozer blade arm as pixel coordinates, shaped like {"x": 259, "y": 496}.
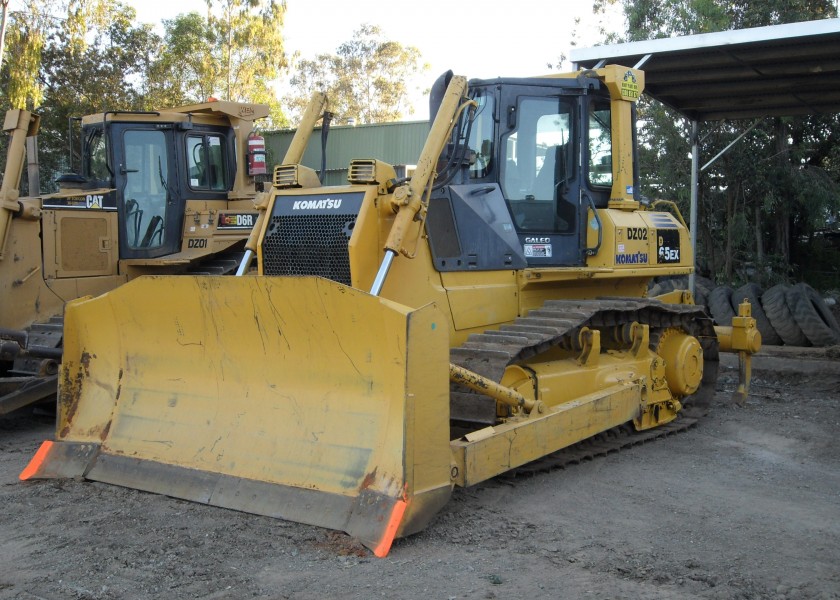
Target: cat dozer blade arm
{"x": 20, "y": 124}
{"x": 297, "y": 398}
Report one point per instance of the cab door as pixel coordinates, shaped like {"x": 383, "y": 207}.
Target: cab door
{"x": 540, "y": 171}
{"x": 149, "y": 204}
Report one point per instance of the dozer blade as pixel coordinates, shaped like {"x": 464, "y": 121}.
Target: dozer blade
{"x": 297, "y": 398}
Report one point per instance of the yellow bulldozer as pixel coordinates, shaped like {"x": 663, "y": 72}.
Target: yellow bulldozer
{"x": 169, "y": 191}
{"x": 405, "y": 336}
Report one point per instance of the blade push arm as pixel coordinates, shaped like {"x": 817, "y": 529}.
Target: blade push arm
{"x": 410, "y": 200}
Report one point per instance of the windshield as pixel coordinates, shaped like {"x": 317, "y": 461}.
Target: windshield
{"x": 539, "y": 164}
{"x": 146, "y": 170}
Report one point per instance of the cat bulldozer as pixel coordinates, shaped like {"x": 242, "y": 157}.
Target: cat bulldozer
{"x": 405, "y": 336}
{"x": 169, "y": 191}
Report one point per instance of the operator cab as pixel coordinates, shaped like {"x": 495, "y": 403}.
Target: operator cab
{"x": 521, "y": 173}
{"x": 146, "y": 169}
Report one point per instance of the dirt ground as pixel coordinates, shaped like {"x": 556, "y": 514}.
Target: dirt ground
{"x": 745, "y": 505}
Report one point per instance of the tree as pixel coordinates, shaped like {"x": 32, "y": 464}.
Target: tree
{"x": 248, "y": 39}
{"x": 185, "y": 71}
{"x": 67, "y": 58}
{"x": 774, "y": 188}
{"x": 29, "y": 32}
{"x": 25, "y": 40}
{"x": 367, "y": 79}
{"x": 234, "y": 53}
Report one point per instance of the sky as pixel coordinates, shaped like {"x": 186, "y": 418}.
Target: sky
{"x": 477, "y": 39}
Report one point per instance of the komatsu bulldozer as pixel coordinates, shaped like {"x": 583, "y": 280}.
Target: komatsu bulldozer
{"x": 169, "y": 191}
{"x": 405, "y": 336}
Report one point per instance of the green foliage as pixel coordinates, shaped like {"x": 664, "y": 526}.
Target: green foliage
{"x": 186, "y": 44}
{"x": 247, "y": 46}
{"x": 234, "y": 53}
{"x": 82, "y": 17}
{"x": 32, "y": 29}
{"x": 26, "y": 44}
{"x": 107, "y": 74}
{"x": 365, "y": 80}
{"x": 25, "y": 38}
{"x": 653, "y": 19}
{"x": 650, "y": 19}
{"x": 68, "y": 58}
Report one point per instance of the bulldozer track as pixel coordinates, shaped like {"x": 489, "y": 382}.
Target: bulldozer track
{"x": 611, "y": 441}
{"x": 31, "y": 375}
{"x": 40, "y": 341}
{"x": 557, "y": 323}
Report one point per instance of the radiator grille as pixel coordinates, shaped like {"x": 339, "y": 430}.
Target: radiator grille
{"x": 309, "y": 245}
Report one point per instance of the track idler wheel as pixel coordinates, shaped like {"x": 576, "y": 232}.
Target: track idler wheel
{"x": 683, "y": 357}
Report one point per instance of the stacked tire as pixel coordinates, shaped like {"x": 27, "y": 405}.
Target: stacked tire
{"x": 663, "y": 285}
{"x": 811, "y": 315}
{"x": 702, "y": 287}
{"x": 793, "y": 315}
{"x": 775, "y": 305}
{"x": 720, "y": 305}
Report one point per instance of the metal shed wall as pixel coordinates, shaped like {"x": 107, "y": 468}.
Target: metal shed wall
{"x": 395, "y": 143}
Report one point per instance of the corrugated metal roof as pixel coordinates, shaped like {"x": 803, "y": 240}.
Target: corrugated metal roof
{"x": 779, "y": 70}
{"x": 395, "y": 143}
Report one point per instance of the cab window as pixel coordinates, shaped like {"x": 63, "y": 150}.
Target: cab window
{"x": 206, "y": 163}
{"x": 600, "y": 145}
{"x": 97, "y": 155}
{"x": 539, "y": 164}
{"x": 481, "y": 137}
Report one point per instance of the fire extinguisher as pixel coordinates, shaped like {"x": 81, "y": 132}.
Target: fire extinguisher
{"x": 256, "y": 155}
